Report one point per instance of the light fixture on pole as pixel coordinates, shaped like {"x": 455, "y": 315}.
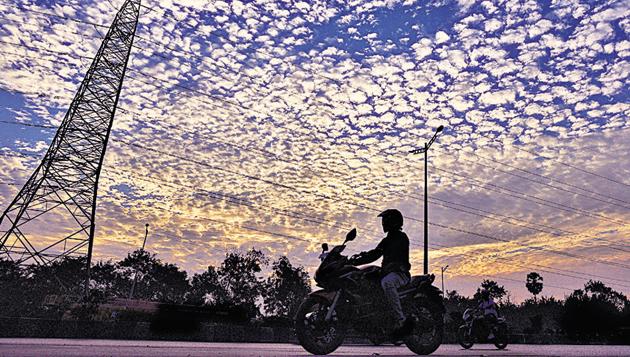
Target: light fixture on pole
{"x": 443, "y": 270}
{"x": 425, "y": 150}
{"x": 135, "y": 275}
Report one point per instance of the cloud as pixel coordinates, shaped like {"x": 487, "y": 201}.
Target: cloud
{"x": 304, "y": 116}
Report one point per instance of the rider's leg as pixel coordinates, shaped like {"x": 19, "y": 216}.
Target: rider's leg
{"x": 491, "y": 323}
{"x": 390, "y": 284}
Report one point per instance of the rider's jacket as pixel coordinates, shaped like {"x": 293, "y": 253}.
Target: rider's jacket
{"x": 394, "y": 249}
{"x": 488, "y": 307}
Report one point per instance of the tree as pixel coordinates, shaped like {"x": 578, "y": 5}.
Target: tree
{"x": 595, "y": 311}
{"x": 205, "y": 288}
{"x": 108, "y": 279}
{"x": 285, "y": 288}
{"x": 534, "y": 283}
{"x": 496, "y": 291}
{"x": 12, "y": 293}
{"x": 53, "y": 287}
{"x": 156, "y": 281}
{"x": 240, "y": 282}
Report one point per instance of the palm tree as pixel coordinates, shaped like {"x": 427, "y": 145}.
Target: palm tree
{"x": 534, "y": 283}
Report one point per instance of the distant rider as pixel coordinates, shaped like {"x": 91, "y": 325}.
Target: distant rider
{"x": 394, "y": 249}
{"x": 489, "y": 310}
{"x": 324, "y": 253}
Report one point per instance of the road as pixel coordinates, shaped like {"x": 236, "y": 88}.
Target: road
{"x": 67, "y": 347}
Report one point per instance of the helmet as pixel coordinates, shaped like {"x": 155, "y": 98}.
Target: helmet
{"x": 392, "y": 220}
{"x": 485, "y": 294}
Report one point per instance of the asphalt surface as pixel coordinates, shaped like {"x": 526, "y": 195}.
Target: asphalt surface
{"x": 67, "y": 347}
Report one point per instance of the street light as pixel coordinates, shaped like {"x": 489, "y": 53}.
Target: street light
{"x": 425, "y": 150}
{"x": 135, "y": 276}
{"x": 443, "y": 270}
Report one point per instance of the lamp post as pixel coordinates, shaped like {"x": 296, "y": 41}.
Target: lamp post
{"x": 425, "y": 150}
{"x": 135, "y": 276}
{"x": 443, "y": 270}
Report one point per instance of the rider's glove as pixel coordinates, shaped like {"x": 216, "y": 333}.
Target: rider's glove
{"x": 353, "y": 260}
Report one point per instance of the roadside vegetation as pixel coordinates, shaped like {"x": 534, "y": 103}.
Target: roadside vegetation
{"x": 239, "y": 290}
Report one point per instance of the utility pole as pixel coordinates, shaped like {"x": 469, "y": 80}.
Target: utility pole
{"x": 425, "y": 151}
{"x": 135, "y": 275}
{"x": 443, "y": 270}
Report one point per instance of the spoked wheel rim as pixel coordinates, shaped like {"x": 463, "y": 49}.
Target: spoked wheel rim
{"x": 501, "y": 339}
{"x": 426, "y": 330}
{"x": 427, "y": 333}
{"x": 319, "y": 330}
{"x": 315, "y": 334}
{"x": 464, "y": 338}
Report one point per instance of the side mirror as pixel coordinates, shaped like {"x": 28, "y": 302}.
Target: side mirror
{"x": 350, "y": 236}
{"x": 324, "y": 247}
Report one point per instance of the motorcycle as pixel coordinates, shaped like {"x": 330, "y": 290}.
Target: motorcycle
{"x": 476, "y": 329}
{"x": 352, "y": 297}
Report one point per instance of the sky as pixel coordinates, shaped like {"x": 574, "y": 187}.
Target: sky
{"x": 281, "y": 125}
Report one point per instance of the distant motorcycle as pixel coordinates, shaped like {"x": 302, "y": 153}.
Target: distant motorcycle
{"x": 353, "y": 298}
{"x": 477, "y": 329}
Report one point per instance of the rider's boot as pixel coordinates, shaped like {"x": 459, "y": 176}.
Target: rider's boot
{"x": 404, "y": 329}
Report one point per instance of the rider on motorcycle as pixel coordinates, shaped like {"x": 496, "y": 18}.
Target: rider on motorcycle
{"x": 489, "y": 310}
{"x": 394, "y": 249}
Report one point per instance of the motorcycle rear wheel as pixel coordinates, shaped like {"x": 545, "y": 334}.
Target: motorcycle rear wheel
{"x": 423, "y": 341}
{"x": 463, "y": 337}
{"x": 316, "y": 335}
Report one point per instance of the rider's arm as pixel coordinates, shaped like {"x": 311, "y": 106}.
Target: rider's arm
{"x": 368, "y": 257}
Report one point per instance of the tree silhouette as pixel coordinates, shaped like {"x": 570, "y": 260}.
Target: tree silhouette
{"x": 108, "y": 279}
{"x": 239, "y": 279}
{"x": 496, "y": 291}
{"x": 594, "y": 312}
{"x": 534, "y": 283}
{"x": 13, "y": 297}
{"x": 157, "y": 281}
{"x": 285, "y": 288}
{"x": 205, "y": 288}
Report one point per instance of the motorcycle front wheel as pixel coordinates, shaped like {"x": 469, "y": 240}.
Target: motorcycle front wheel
{"x": 501, "y": 340}
{"x": 428, "y": 331}
{"x": 315, "y": 334}
{"x": 463, "y": 337}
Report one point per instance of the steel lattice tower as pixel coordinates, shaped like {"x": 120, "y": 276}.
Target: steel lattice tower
{"x": 63, "y": 189}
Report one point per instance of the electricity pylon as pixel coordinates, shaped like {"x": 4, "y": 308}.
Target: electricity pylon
{"x": 54, "y": 213}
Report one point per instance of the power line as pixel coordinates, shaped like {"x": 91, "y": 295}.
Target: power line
{"x": 547, "y": 177}
{"x": 560, "y": 272}
{"x": 292, "y": 237}
{"x": 240, "y": 73}
{"x": 173, "y": 185}
{"x": 237, "y": 105}
{"x": 528, "y": 197}
{"x": 574, "y": 167}
{"x": 202, "y": 163}
{"x": 542, "y": 268}
{"x": 527, "y": 224}
{"x": 542, "y": 183}
{"x": 162, "y": 181}
{"x": 438, "y": 204}
{"x": 49, "y": 14}
{"x": 416, "y": 197}
{"x": 160, "y": 86}
{"x": 374, "y": 209}
{"x": 223, "y": 100}
{"x": 497, "y": 277}
{"x": 557, "y": 252}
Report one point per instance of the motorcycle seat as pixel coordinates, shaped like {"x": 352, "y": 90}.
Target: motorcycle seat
{"x": 417, "y": 281}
